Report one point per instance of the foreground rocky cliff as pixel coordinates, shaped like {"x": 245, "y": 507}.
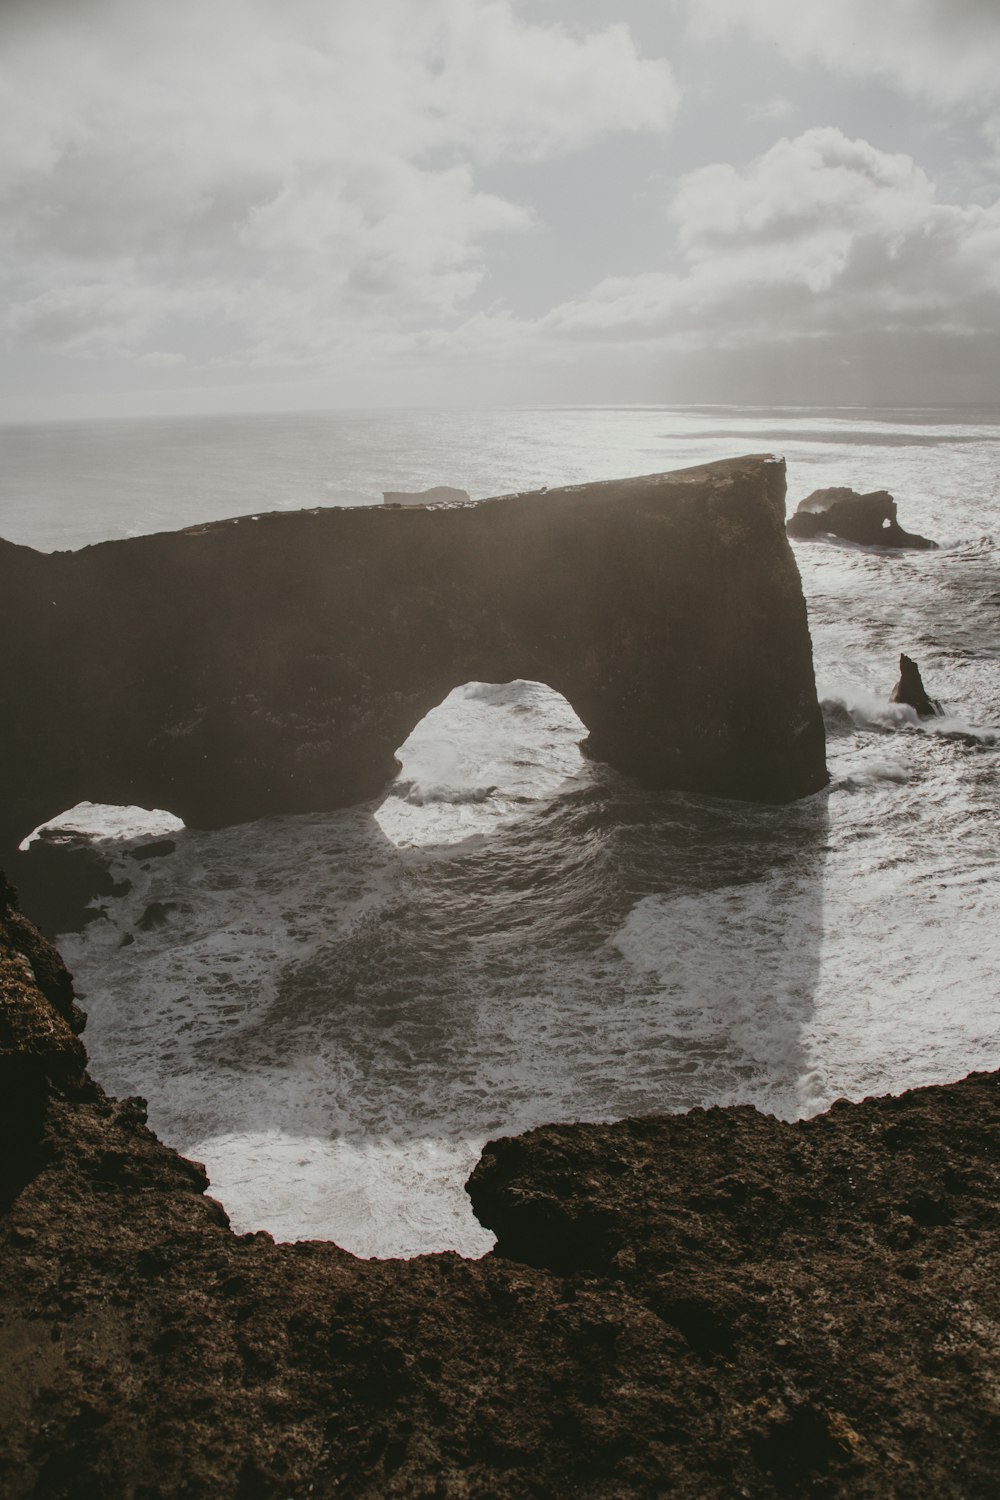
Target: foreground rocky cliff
{"x": 275, "y": 663}
{"x": 714, "y": 1304}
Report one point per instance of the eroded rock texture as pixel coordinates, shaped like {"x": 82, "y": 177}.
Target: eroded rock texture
{"x": 275, "y": 664}
{"x": 867, "y": 519}
{"x": 711, "y": 1305}
{"x": 910, "y": 689}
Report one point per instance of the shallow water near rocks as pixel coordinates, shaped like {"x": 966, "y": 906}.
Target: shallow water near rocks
{"x": 336, "y": 1012}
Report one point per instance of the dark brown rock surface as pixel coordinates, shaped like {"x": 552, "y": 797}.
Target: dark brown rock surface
{"x": 710, "y": 1305}
{"x": 869, "y": 520}
{"x": 275, "y": 663}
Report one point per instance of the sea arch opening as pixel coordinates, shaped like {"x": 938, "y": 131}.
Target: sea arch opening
{"x": 89, "y": 852}
{"x": 485, "y": 756}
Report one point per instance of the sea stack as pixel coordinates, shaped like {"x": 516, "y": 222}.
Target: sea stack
{"x": 273, "y": 664}
{"x": 869, "y": 520}
{"x": 910, "y": 689}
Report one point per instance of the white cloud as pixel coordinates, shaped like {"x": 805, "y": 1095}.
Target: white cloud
{"x": 824, "y": 270}
{"x": 778, "y": 108}
{"x": 161, "y": 359}
{"x": 289, "y": 172}
{"x": 945, "y": 50}
{"x": 820, "y": 237}
{"x": 86, "y": 317}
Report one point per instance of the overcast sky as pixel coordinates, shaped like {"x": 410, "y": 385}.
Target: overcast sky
{"x": 278, "y": 204}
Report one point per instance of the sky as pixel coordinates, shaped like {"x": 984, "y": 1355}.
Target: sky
{"x": 255, "y": 205}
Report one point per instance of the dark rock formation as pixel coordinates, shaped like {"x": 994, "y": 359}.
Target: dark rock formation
{"x": 39, "y": 1046}
{"x": 275, "y": 663}
{"x": 910, "y": 689}
{"x": 709, "y": 1305}
{"x": 439, "y": 494}
{"x": 867, "y": 519}
{"x": 157, "y": 849}
{"x": 60, "y": 877}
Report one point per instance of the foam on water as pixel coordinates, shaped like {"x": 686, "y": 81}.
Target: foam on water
{"x": 339, "y": 1010}
{"x": 866, "y": 710}
{"x": 385, "y": 1197}
{"x": 337, "y": 1024}
{"x": 107, "y": 821}
{"x": 506, "y": 744}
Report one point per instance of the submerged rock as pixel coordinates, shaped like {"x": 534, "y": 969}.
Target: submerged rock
{"x": 157, "y": 849}
{"x": 704, "y": 1305}
{"x": 910, "y": 689}
{"x": 156, "y": 915}
{"x": 867, "y": 519}
{"x": 274, "y": 663}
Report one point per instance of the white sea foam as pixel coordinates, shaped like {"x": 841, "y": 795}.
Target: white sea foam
{"x": 102, "y": 820}
{"x": 507, "y": 744}
{"x": 737, "y": 968}
{"x": 299, "y": 1024}
{"x": 338, "y": 1011}
{"x": 868, "y": 710}
{"x": 384, "y": 1197}
{"x": 870, "y": 771}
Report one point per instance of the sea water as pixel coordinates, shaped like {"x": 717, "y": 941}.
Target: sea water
{"x": 335, "y": 1012}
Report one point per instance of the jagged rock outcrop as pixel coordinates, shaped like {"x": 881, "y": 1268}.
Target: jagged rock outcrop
{"x": 910, "y": 689}
{"x": 275, "y": 663}
{"x": 867, "y": 519}
{"x": 706, "y": 1305}
{"x": 39, "y": 1043}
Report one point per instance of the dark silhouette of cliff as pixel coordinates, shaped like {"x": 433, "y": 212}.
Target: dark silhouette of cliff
{"x": 275, "y": 663}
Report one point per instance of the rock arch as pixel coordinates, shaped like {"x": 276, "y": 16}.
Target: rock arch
{"x": 273, "y": 663}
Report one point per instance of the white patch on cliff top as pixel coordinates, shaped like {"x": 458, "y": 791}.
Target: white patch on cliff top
{"x": 103, "y": 820}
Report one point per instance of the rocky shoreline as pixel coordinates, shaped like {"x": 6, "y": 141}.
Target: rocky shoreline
{"x": 713, "y": 1304}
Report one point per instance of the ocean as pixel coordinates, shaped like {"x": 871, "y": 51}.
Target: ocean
{"x": 335, "y": 1012}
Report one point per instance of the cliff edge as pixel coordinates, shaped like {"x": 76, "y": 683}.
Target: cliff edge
{"x": 709, "y": 1305}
